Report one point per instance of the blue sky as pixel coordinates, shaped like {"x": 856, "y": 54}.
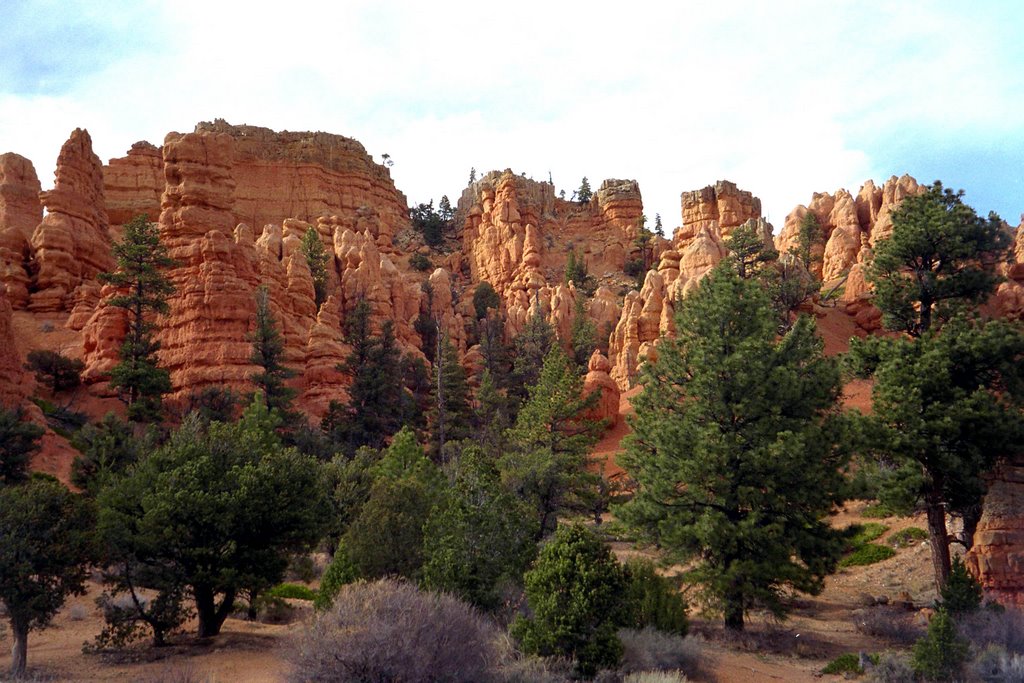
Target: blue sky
{"x": 784, "y": 98}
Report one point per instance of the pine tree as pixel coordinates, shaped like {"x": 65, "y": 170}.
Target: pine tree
{"x": 531, "y": 347}
{"x": 317, "y": 258}
{"x": 737, "y": 450}
{"x": 141, "y": 260}
{"x": 748, "y": 251}
{"x": 940, "y": 256}
{"x": 808, "y": 236}
{"x": 19, "y": 440}
{"x": 582, "y": 334}
{"x": 451, "y": 414}
{"x": 659, "y": 229}
{"x": 545, "y": 463}
{"x": 584, "y": 194}
{"x": 268, "y": 353}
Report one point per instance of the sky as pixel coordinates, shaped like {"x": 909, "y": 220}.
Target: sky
{"x": 784, "y": 98}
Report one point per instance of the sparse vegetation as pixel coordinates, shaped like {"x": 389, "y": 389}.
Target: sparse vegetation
{"x": 865, "y": 554}
{"x": 912, "y": 535}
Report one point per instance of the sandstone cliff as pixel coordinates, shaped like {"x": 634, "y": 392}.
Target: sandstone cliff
{"x": 20, "y": 213}
{"x": 997, "y": 558}
{"x": 133, "y": 184}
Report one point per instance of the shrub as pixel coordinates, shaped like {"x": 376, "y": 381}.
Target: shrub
{"x": 485, "y": 297}
{"x": 895, "y": 625}
{"x": 865, "y": 533}
{"x": 634, "y": 267}
{"x": 907, "y": 537}
{"x": 878, "y": 511}
{"x": 390, "y": 631}
{"x": 55, "y": 370}
{"x": 340, "y": 572}
{"x": 652, "y": 600}
{"x": 996, "y": 665}
{"x": 291, "y": 591}
{"x": 575, "y": 592}
{"x": 655, "y": 677}
{"x": 1002, "y": 627}
{"x": 892, "y": 668}
{"x": 847, "y": 662}
{"x": 941, "y": 654}
{"x": 962, "y": 592}
{"x": 650, "y": 649}
{"x": 420, "y": 262}
{"x": 869, "y": 553}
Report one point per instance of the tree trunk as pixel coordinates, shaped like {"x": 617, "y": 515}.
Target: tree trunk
{"x": 734, "y": 608}
{"x": 971, "y": 518}
{"x": 19, "y": 651}
{"x": 938, "y": 538}
{"x": 211, "y": 617}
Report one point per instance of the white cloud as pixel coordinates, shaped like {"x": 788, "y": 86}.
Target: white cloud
{"x": 783, "y": 98}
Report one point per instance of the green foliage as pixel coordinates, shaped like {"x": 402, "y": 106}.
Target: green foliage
{"x": 940, "y": 255}
{"x": 652, "y": 600}
{"x": 451, "y": 414}
{"x": 962, "y": 593}
{"x": 912, "y": 535}
{"x": 808, "y": 237}
{"x": 55, "y": 370}
{"x": 865, "y": 554}
{"x": 865, "y": 533}
{"x": 846, "y": 663}
{"x": 46, "y": 545}
{"x": 575, "y": 593}
{"x": 291, "y": 591}
{"x": 19, "y": 440}
{"x": 386, "y": 539}
{"x": 789, "y": 285}
{"x": 575, "y": 269}
{"x": 317, "y": 258}
{"x": 479, "y": 537}
{"x": 347, "y": 482}
{"x": 942, "y": 653}
{"x": 218, "y": 509}
{"x": 376, "y": 395}
{"x": 878, "y": 511}
{"x": 420, "y": 262}
{"x": 340, "y": 572}
{"x": 141, "y": 259}
{"x": 484, "y": 297}
{"x": 738, "y": 449}
{"x": 530, "y": 349}
{"x": 584, "y": 194}
{"x": 748, "y": 252}
{"x": 943, "y": 408}
{"x": 268, "y": 354}
{"x": 545, "y": 462}
{"x": 431, "y": 224}
{"x": 582, "y": 334}
{"x": 107, "y": 449}
{"x": 214, "y": 404}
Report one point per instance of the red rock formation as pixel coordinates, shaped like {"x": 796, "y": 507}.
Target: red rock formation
{"x": 71, "y": 244}
{"x": 722, "y": 203}
{"x": 308, "y": 175}
{"x": 997, "y": 558}
{"x": 20, "y": 213}
{"x": 133, "y": 184}
{"x": 12, "y": 388}
{"x": 598, "y": 380}
{"x": 325, "y": 350}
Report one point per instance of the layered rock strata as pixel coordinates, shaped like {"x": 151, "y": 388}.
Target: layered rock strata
{"x": 72, "y": 243}
{"x": 20, "y": 213}
{"x": 133, "y": 184}
{"x": 997, "y": 557}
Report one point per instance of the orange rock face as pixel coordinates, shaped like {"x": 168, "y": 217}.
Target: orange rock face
{"x": 308, "y": 175}
{"x": 722, "y": 203}
{"x": 20, "y": 213}
{"x": 12, "y": 388}
{"x": 72, "y": 243}
{"x": 997, "y": 558}
{"x": 599, "y": 381}
{"x": 133, "y": 184}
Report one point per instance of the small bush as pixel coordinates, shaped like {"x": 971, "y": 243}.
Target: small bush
{"x": 894, "y": 625}
{"x": 912, "y": 535}
{"x": 848, "y": 662}
{"x": 185, "y": 672}
{"x": 340, "y": 572}
{"x": 55, "y": 370}
{"x": 652, "y": 600}
{"x": 78, "y": 613}
{"x": 892, "y": 668}
{"x": 869, "y": 553}
{"x": 864, "y": 533}
{"x": 420, "y": 262}
{"x": 996, "y": 665}
{"x": 942, "y": 653}
{"x": 1001, "y": 627}
{"x": 878, "y": 511}
{"x": 962, "y": 592}
{"x": 291, "y": 591}
{"x": 649, "y": 649}
{"x": 655, "y": 677}
{"x": 390, "y": 631}
{"x": 634, "y": 267}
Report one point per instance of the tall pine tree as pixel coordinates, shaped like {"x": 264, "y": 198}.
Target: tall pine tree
{"x": 737, "y": 450}
{"x": 268, "y": 354}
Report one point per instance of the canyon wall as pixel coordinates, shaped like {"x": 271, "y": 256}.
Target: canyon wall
{"x": 20, "y": 213}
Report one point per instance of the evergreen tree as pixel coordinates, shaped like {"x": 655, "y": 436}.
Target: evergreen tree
{"x": 451, "y": 414}
{"x": 531, "y": 347}
{"x": 472, "y": 175}
{"x": 748, "y": 251}
{"x": 941, "y": 654}
{"x": 492, "y": 415}
{"x": 317, "y": 258}
{"x": 268, "y": 353}
{"x": 428, "y": 221}
{"x": 484, "y": 298}
{"x": 575, "y": 590}
{"x": 940, "y": 255}
{"x": 46, "y": 547}
{"x": 446, "y": 211}
{"x": 582, "y": 334}
{"x": 217, "y": 510}
{"x": 737, "y": 450}
{"x": 545, "y": 463}
{"x": 944, "y": 407}
{"x": 659, "y": 229}
{"x": 808, "y": 236}
{"x": 108, "y": 448}
{"x": 479, "y": 536}
{"x": 55, "y": 370}
{"x": 141, "y": 260}
{"x": 19, "y": 440}
{"x": 376, "y": 395}
{"x": 644, "y": 244}
{"x": 584, "y": 194}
